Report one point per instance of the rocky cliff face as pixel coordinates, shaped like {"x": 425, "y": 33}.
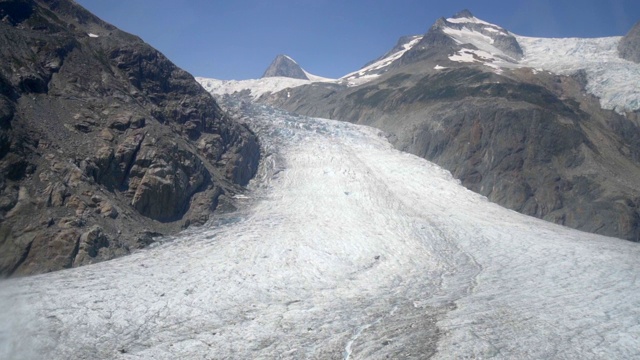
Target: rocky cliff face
{"x": 284, "y": 66}
{"x": 532, "y": 141}
{"x": 103, "y": 141}
{"x": 629, "y": 46}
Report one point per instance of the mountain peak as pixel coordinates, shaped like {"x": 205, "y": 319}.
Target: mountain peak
{"x": 629, "y": 46}
{"x": 285, "y": 66}
{"x": 463, "y": 14}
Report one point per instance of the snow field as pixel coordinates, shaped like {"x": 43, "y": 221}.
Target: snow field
{"x": 612, "y": 79}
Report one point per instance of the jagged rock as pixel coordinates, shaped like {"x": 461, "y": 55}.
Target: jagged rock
{"x": 629, "y": 46}
{"x": 108, "y": 115}
{"x": 89, "y": 245}
{"x": 108, "y": 210}
{"x": 167, "y": 185}
{"x": 49, "y": 252}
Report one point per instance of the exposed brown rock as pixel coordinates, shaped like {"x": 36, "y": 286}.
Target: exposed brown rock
{"x": 103, "y": 141}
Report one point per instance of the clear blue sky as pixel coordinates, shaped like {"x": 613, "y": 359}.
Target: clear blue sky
{"x": 238, "y": 39}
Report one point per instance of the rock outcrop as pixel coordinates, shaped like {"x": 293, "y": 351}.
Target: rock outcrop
{"x": 285, "y": 66}
{"x": 104, "y": 142}
{"x": 629, "y": 46}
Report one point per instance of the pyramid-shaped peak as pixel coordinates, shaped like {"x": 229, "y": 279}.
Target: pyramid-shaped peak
{"x": 463, "y": 14}
{"x": 285, "y": 66}
{"x": 629, "y": 45}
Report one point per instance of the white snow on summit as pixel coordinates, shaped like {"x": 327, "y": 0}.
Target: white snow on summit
{"x": 612, "y": 79}
{"x": 374, "y": 70}
{"x": 467, "y": 20}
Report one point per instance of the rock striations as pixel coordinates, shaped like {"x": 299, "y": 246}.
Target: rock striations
{"x": 104, "y": 142}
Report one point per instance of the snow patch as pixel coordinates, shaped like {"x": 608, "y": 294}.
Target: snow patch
{"x": 371, "y": 71}
{"x": 467, "y": 36}
{"x": 472, "y": 55}
{"x": 92, "y": 35}
{"x": 472, "y": 20}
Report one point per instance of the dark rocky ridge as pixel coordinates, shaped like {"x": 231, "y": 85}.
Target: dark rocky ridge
{"x": 103, "y": 141}
{"x": 531, "y": 141}
{"x": 629, "y": 46}
{"x": 284, "y": 66}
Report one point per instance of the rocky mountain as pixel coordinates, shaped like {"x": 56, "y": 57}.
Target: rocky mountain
{"x": 283, "y": 73}
{"x": 104, "y": 142}
{"x": 449, "y": 36}
{"x": 382, "y": 64}
{"x": 629, "y": 47}
{"x": 547, "y": 127}
{"x": 285, "y": 66}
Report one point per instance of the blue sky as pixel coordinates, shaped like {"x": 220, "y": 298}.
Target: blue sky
{"x": 237, "y": 39}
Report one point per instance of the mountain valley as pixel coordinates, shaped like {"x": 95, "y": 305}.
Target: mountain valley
{"x": 468, "y": 194}
{"x": 547, "y": 127}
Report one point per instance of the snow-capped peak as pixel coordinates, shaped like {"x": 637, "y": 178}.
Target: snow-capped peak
{"x": 382, "y": 64}
{"x": 466, "y": 17}
{"x": 464, "y": 28}
{"x": 289, "y": 58}
{"x": 283, "y": 73}
{"x": 476, "y": 41}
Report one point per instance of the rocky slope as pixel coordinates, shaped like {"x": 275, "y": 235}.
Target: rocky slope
{"x": 285, "y": 66}
{"x": 629, "y": 47}
{"x": 103, "y": 141}
{"x": 534, "y": 141}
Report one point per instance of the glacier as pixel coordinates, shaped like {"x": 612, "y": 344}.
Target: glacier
{"x": 344, "y": 248}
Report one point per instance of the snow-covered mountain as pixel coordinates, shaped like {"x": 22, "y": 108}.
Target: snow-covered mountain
{"x": 284, "y": 66}
{"x": 379, "y": 66}
{"x": 283, "y": 73}
{"x": 348, "y": 249}
{"x": 467, "y": 40}
{"x": 611, "y": 78}
{"x": 548, "y": 127}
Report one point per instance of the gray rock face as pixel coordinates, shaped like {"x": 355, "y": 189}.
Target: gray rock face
{"x": 284, "y": 66}
{"x": 103, "y": 141}
{"x": 629, "y": 46}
